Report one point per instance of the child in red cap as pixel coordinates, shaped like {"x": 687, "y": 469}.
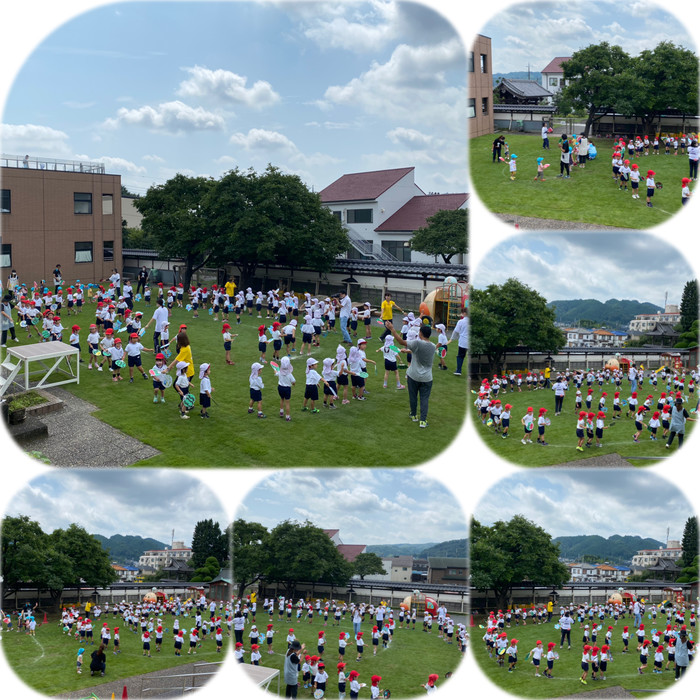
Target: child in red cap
{"x": 580, "y": 427}
{"x": 528, "y": 421}
{"x": 342, "y": 680}
{"x": 599, "y": 428}
{"x": 430, "y": 686}
{"x": 375, "y": 686}
{"x": 585, "y": 662}
{"x": 552, "y": 656}
{"x": 685, "y": 191}
{"x": 541, "y": 424}
{"x": 355, "y": 685}
{"x": 651, "y": 186}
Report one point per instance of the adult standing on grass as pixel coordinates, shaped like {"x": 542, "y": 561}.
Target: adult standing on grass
{"x": 679, "y": 416}
{"x": 292, "y": 665}
{"x": 460, "y": 331}
{"x": 682, "y": 646}
{"x": 632, "y": 376}
{"x": 497, "y": 145}
{"x": 115, "y": 279}
{"x": 7, "y": 323}
{"x": 160, "y": 317}
{"x": 565, "y": 624}
{"x": 57, "y": 279}
{"x": 559, "y": 388}
{"x": 388, "y": 313}
{"x": 345, "y": 309}
{"x": 693, "y": 155}
{"x": 565, "y": 158}
{"x": 582, "y": 152}
{"x": 545, "y": 136}
{"x": 419, "y": 375}
{"x": 357, "y": 620}
{"x": 142, "y": 280}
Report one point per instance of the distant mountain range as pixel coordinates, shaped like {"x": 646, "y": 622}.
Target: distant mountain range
{"x": 126, "y": 549}
{"x": 614, "y": 313}
{"x": 449, "y": 548}
{"x": 518, "y": 75}
{"x": 615, "y": 549}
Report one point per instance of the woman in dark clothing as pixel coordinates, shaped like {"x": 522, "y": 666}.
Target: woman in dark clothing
{"x": 497, "y": 145}
{"x": 98, "y": 661}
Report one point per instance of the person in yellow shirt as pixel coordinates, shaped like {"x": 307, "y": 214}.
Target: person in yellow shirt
{"x": 388, "y": 313}
{"x": 230, "y": 287}
{"x": 547, "y": 375}
{"x": 184, "y": 352}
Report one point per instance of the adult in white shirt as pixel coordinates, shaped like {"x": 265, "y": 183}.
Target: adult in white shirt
{"x": 115, "y": 279}
{"x": 693, "y": 155}
{"x": 545, "y": 136}
{"x": 637, "y": 610}
{"x": 160, "y": 317}
{"x": 565, "y": 624}
{"x": 632, "y": 376}
{"x": 559, "y": 388}
{"x": 461, "y": 331}
{"x": 357, "y": 621}
{"x": 345, "y": 309}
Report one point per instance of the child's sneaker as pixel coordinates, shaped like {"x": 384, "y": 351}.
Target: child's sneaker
{"x": 423, "y": 424}
{"x": 155, "y": 399}
{"x": 162, "y": 400}
{"x": 250, "y": 410}
{"x": 304, "y": 408}
{"x": 315, "y": 410}
{"x": 99, "y": 369}
{"x": 184, "y": 416}
{"x": 261, "y": 415}
{"x": 401, "y": 386}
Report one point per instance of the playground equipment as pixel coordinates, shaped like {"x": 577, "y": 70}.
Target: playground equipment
{"x": 420, "y": 602}
{"x": 445, "y": 304}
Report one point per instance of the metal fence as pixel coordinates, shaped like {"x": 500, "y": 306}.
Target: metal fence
{"x": 36, "y": 163}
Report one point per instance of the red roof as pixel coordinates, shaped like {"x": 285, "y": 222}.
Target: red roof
{"x": 554, "y": 66}
{"x": 350, "y": 551}
{"x": 331, "y": 533}
{"x": 414, "y": 214}
{"x": 361, "y": 186}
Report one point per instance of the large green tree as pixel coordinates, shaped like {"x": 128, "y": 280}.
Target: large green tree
{"x": 689, "y": 543}
{"x": 509, "y": 553}
{"x": 208, "y": 571}
{"x": 510, "y": 315}
{"x": 249, "y": 543}
{"x": 689, "y": 574}
{"x": 173, "y": 214}
{"x": 303, "y": 552}
{"x": 91, "y": 562}
{"x": 367, "y": 564}
{"x": 689, "y": 305}
{"x": 209, "y": 541}
{"x": 445, "y": 235}
{"x": 595, "y": 74}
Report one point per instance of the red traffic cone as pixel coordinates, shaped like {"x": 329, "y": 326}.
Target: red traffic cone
{"x": 471, "y": 620}
{"x": 46, "y": 620}
{"x": 112, "y": 696}
{"x": 125, "y": 695}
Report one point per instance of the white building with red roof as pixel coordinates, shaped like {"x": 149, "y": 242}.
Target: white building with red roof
{"x": 553, "y": 75}
{"x": 382, "y": 209}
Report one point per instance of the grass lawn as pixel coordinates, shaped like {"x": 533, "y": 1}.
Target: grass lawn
{"x": 589, "y": 196}
{"x": 47, "y": 662}
{"x": 622, "y": 671}
{"x": 348, "y": 436}
{"x": 403, "y": 666}
{"x": 561, "y": 434}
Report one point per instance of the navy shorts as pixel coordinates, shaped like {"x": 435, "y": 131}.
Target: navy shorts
{"x": 285, "y": 392}
{"x": 390, "y": 365}
{"x": 650, "y": 191}
{"x": 227, "y": 345}
{"x": 204, "y": 401}
{"x": 276, "y": 344}
{"x": 579, "y": 432}
{"x": 342, "y": 380}
{"x": 357, "y": 381}
{"x": 262, "y": 347}
{"x": 255, "y": 395}
{"x": 306, "y": 337}
{"x": 311, "y": 392}
{"x": 330, "y": 389}
{"x": 134, "y": 361}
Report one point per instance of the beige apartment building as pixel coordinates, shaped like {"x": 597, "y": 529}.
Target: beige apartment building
{"x": 480, "y": 88}
{"x": 65, "y": 213}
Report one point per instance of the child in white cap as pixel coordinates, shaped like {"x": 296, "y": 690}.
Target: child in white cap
{"x": 341, "y": 366}
{"x": 256, "y": 386}
{"x": 312, "y": 380}
{"x": 390, "y": 361}
{"x": 204, "y": 389}
{"x": 330, "y": 391}
{"x": 285, "y": 382}
{"x": 442, "y": 343}
{"x": 182, "y": 386}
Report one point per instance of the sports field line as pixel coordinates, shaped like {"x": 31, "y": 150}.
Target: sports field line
{"x": 40, "y": 647}
{"x": 608, "y": 679}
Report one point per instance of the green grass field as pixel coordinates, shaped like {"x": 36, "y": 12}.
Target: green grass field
{"x": 561, "y": 434}
{"x": 348, "y": 436}
{"x": 589, "y": 196}
{"x": 47, "y": 662}
{"x": 403, "y": 666}
{"x": 622, "y": 671}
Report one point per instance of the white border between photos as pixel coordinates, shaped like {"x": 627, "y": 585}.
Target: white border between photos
{"x": 461, "y": 467}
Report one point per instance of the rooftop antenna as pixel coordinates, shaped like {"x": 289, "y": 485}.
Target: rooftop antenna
{"x": 665, "y": 300}
{"x": 172, "y": 539}
{"x": 668, "y": 531}
{"x": 528, "y": 71}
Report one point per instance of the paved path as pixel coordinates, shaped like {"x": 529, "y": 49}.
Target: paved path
{"x": 616, "y": 691}
{"x": 167, "y": 682}
{"x": 78, "y": 439}
{"x": 608, "y": 460}
{"x": 530, "y": 222}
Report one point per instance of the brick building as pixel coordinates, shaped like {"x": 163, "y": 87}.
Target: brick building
{"x": 480, "y": 88}
{"x": 59, "y": 213}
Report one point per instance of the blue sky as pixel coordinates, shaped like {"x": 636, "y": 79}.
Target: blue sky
{"x": 368, "y": 506}
{"x": 144, "y": 502}
{"x": 589, "y": 266}
{"x": 535, "y": 33}
{"x": 601, "y": 502}
{"x": 318, "y": 89}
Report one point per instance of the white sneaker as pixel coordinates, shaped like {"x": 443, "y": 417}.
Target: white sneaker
{"x": 99, "y": 369}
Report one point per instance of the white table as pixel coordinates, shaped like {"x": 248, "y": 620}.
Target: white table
{"x": 261, "y": 676}
{"x": 52, "y": 357}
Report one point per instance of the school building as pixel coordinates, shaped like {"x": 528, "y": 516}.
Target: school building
{"x": 480, "y": 88}
{"x": 54, "y": 212}
{"x": 159, "y": 558}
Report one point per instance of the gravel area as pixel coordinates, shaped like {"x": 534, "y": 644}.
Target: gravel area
{"x": 616, "y": 691}
{"x": 161, "y": 683}
{"x": 77, "y": 439}
{"x": 609, "y": 460}
{"x": 529, "y": 222}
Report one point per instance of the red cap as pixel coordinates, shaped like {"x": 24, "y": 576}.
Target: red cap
{"x": 75, "y": 328}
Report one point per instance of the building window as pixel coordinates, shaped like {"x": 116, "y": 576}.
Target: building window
{"x": 82, "y": 202}
{"x": 6, "y": 255}
{"x": 107, "y": 209}
{"x": 484, "y": 105}
{"x": 471, "y": 62}
{"x": 359, "y": 216}
{"x": 83, "y": 251}
{"x": 401, "y": 250}
{"x": 108, "y": 250}
{"x": 338, "y": 214}
{"x": 471, "y": 108}
{"x": 554, "y": 82}
{"x": 484, "y": 64}
{"x": 6, "y": 202}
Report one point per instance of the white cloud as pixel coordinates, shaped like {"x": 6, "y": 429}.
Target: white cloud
{"x": 228, "y": 87}
{"x": 34, "y": 139}
{"x": 411, "y": 138}
{"x": 262, "y": 139}
{"x": 154, "y": 158}
{"x": 173, "y": 116}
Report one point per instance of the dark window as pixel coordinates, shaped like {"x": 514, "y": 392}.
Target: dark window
{"x": 471, "y": 62}
{"x": 484, "y": 105}
{"x": 6, "y": 255}
{"x": 108, "y": 250}
{"x": 401, "y": 250}
{"x": 359, "y": 216}
{"x": 338, "y": 214}
{"x": 471, "y": 108}
{"x": 6, "y": 203}
{"x": 82, "y": 203}
{"x": 484, "y": 64}
{"x": 83, "y": 251}
{"x": 107, "y": 207}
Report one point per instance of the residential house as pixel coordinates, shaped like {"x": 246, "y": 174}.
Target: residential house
{"x": 126, "y": 574}
{"x": 553, "y": 76}
{"x": 447, "y": 570}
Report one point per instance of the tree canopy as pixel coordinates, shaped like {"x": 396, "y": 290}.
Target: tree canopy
{"x": 689, "y": 543}
{"x": 446, "y": 234}
{"x": 209, "y": 541}
{"x": 510, "y": 315}
{"x": 509, "y": 553}
{"x": 208, "y": 571}
{"x": 689, "y": 305}
{"x": 249, "y": 542}
{"x": 366, "y": 564}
